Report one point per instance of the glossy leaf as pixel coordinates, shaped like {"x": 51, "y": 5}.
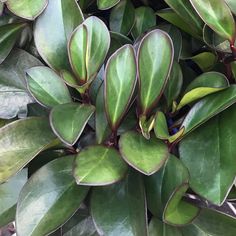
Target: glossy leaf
{"x": 193, "y": 230}
{"x": 47, "y": 87}
{"x": 205, "y": 60}
{"x": 122, "y": 17}
{"x": 43, "y": 196}
{"x": 20, "y": 142}
{"x": 165, "y": 191}
{"x": 69, "y": 120}
{"x": 159, "y": 228}
{"x": 209, "y": 107}
{"x": 205, "y": 84}
{"x": 106, "y": 4}
{"x": 184, "y": 9}
{"x": 9, "y": 193}
{"x": 209, "y": 154}
{"x": 28, "y": 9}
{"x": 217, "y": 15}
{"x": 216, "y": 223}
{"x": 145, "y": 19}
{"x": 146, "y": 156}
{"x": 99, "y": 165}
{"x": 232, "y": 5}
{"x": 88, "y": 47}
{"x": 155, "y": 57}
{"x": 125, "y": 206}
{"x": 14, "y": 96}
{"x": 53, "y": 29}
{"x": 9, "y": 33}
{"x": 120, "y": 81}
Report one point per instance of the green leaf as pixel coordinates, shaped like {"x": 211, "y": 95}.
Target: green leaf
{"x": 159, "y": 228}
{"x": 184, "y": 9}
{"x": 1, "y": 8}
{"x": 217, "y": 15}
{"x": 165, "y": 191}
{"x": 122, "y": 17}
{"x": 9, "y": 33}
{"x": 125, "y": 206}
{"x": 205, "y": 84}
{"x": 120, "y": 81}
{"x": 209, "y": 107}
{"x": 52, "y": 30}
{"x": 27, "y": 9}
{"x": 47, "y": 87}
{"x": 233, "y": 68}
{"x": 155, "y": 57}
{"x": 232, "y": 5}
{"x": 9, "y": 193}
{"x": 69, "y": 120}
{"x": 88, "y": 47}
{"x": 20, "y": 142}
{"x": 99, "y": 165}
{"x": 48, "y": 199}
{"x": 193, "y": 230}
{"x": 14, "y": 96}
{"x": 145, "y": 19}
{"x": 146, "y": 156}
{"x": 174, "y": 84}
{"x": 161, "y": 129}
{"x": 216, "y": 223}
{"x": 209, "y": 154}
{"x": 106, "y": 4}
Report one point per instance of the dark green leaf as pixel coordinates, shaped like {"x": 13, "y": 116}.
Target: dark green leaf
{"x": 99, "y": 165}
{"x": 120, "y": 209}
{"x": 48, "y": 199}
{"x": 106, "y": 4}
{"x": 53, "y": 29}
{"x": 68, "y": 120}
{"x": 120, "y": 81}
{"x": 193, "y": 230}
{"x": 47, "y": 87}
{"x": 146, "y": 156}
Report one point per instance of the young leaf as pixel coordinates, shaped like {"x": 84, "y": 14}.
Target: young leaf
{"x": 146, "y": 156}
{"x": 9, "y": 33}
{"x": 205, "y": 84}
{"x": 209, "y": 107}
{"x": 9, "y": 193}
{"x": 155, "y": 57}
{"x": 209, "y": 154}
{"x": 20, "y": 142}
{"x": 125, "y": 207}
{"x": 47, "y": 87}
{"x": 27, "y": 9}
{"x": 120, "y": 81}
{"x": 99, "y": 165}
{"x": 165, "y": 191}
{"x": 88, "y": 47}
{"x": 39, "y": 208}
{"x": 145, "y": 19}
{"x": 68, "y": 120}
{"x": 53, "y": 29}
{"x": 122, "y": 17}
{"x": 217, "y": 15}
{"x": 106, "y": 4}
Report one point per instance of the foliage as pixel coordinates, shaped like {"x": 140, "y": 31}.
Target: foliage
{"x": 117, "y": 117}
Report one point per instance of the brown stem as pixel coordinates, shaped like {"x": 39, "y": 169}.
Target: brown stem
{"x": 112, "y": 141}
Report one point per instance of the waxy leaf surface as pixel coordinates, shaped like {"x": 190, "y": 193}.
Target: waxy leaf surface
{"x": 106, "y": 4}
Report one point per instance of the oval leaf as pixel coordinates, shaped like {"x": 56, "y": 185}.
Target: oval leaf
{"x": 155, "y": 57}
{"x": 68, "y": 120}
{"x": 126, "y": 209}
{"x": 213, "y": 147}
{"x": 53, "y": 29}
{"x": 217, "y": 15}
{"x": 43, "y": 196}
{"x": 47, "y": 87}
{"x": 88, "y": 48}
{"x": 120, "y": 81}
{"x": 146, "y": 156}
{"x": 27, "y": 9}
{"x": 20, "y": 142}
{"x": 99, "y": 165}
{"x": 106, "y": 4}
{"x": 122, "y": 17}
